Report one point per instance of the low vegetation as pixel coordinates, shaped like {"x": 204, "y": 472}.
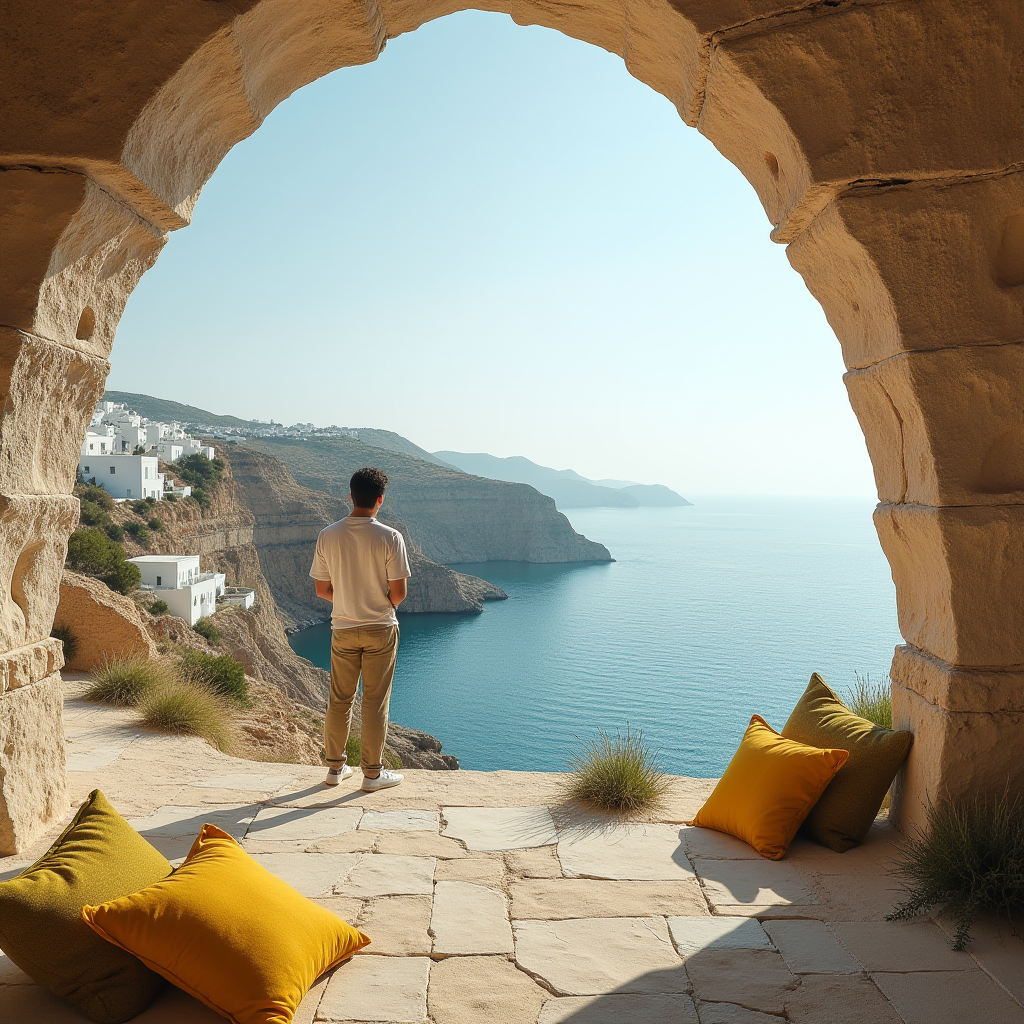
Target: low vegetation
{"x": 92, "y": 552}
{"x": 66, "y": 635}
{"x": 126, "y": 682}
{"x": 354, "y": 754}
{"x": 159, "y": 607}
{"x": 220, "y": 674}
{"x": 206, "y": 629}
{"x": 186, "y": 708}
{"x": 138, "y": 532}
{"x": 201, "y": 473}
{"x": 968, "y": 859}
{"x": 616, "y": 773}
{"x": 871, "y": 700}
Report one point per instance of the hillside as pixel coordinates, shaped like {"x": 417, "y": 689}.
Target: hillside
{"x": 567, "y": 487}
{"x": 165, "y": 411}
{"x": 452, "y": 516}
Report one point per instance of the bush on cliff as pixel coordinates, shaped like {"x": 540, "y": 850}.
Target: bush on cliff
{"x": 616, "y": 774}
{"x": 201, "y": 473}
{"x": 138, "y": 533}
{"x": 92, "y": 552}
{"x": 220, "y": 674}
{"x": 95, "y": 495}
{"x": 206, "y": 629}
{"x": 159, "y": 607}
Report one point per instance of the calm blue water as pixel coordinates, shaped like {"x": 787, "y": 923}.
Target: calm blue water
{"x": 710, "y": 614}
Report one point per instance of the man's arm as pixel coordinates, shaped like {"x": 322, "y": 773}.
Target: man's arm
{"x": 325, "y": 589}
{"x": 397, "y": 590}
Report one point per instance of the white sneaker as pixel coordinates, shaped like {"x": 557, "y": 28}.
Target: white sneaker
{"x": 335, "y": 775}
{"x": 385, "y": 780}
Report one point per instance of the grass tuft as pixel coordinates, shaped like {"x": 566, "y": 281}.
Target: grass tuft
{"x": 871, "y": 700}
{"x": 185, "y": 708}
{"x": 124, "y": 682}
{"x": 616, "y": 773}
{"x": 969, "y": 859}
{"x": 69, "y": 639}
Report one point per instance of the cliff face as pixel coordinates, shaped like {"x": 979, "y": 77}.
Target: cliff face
{"x": 453, "y": 516}
{"x": 288, "y": 517}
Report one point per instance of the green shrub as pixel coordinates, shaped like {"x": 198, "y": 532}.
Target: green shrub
{"x": 139, "y": 449}
{"x": 170, "y": 497}
{"x": 616, "y": 773}
{"x": 93, "y": 552}
{"x": 156, "y": 525}
{"x": 138, "y": 532}
{"x": 205, "y": 628}
{"x": 968, "y": 859}
{"x": 354, "y": 754}
{"x": 124, "y": 682}
{"x": 201, "y": 473}
{"x": 140, "y": 508}
{"x": 66, "y": 635}
{"x": 871, "y": 700}
{"x": 125, "y": 577}
{"x": 186, "y": 708}
{"x": 114, "y": 532}
{"x": 159, "y": 607}
{"x": 96, "y": 495}
{"x": 219, "y": 673}
{"x": 92, "y": 514}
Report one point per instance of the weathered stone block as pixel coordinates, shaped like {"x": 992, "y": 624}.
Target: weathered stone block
{"x": 957, "y": 689}
{"x": 32, "y": 777}
{"x": 48, "y": 393}
{"x": 945, "y": 427}
{"x": 955, "y": 755}
{"x": 26, "y": 665}
{"x": 910, "y": 268}
{"x": 811, "y": 105}
{"x": 958, "y": 578}
{"x": 34, "y": 532}
{"x": 106, "y": 625}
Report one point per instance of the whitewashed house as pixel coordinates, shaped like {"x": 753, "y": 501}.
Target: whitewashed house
{"x": 101, "y": 441}
{"x": 128, "y": 477}
{"x": 190, "y": 594}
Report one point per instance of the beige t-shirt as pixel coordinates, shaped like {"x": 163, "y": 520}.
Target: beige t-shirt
{"x": 358, "y": 556}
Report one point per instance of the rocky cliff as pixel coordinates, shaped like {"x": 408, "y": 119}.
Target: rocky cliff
{"x": 454, "y": 517}
{"x": 288, "y": 518}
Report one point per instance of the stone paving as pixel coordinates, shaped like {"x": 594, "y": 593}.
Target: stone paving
{"x": 488, "y": 899}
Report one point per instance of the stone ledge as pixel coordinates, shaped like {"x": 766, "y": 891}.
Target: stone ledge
{"x": 30, "y": 664}
{"x": 957, "y": 689}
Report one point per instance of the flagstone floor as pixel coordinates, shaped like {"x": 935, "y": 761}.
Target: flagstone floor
{"x": 490, "y": 900}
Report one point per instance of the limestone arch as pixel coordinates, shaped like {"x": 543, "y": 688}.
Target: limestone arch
{"x": 882, "y": 137}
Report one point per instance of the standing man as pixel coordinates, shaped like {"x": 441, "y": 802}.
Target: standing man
{"x": 362, "y": 567}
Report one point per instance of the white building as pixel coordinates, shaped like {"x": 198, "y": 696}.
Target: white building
{"x": 244, "y": 597}
{"x": 99, "y": 442}
{"x": 122, "y": 476}
{"x": 176, "y": 579}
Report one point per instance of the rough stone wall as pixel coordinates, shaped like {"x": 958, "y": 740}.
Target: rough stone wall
{"x": 106, "y": 624}
{"x": 882, "y": 137}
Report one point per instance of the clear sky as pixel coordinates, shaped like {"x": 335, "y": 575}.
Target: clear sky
{"x": 494, "y": 239}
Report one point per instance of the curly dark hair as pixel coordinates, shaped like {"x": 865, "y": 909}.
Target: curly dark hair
{"x": 367, "y": 485}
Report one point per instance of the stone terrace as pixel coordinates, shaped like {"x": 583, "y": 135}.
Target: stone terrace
{"x": 488, "y": 900}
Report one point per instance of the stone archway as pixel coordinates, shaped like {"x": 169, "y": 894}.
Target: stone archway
{"x": 883, "y": 137}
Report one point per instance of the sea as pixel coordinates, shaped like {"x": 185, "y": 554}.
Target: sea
{"x": 709, "y": 614}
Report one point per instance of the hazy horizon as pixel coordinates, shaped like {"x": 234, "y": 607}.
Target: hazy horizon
{"x": 493, "y": 239}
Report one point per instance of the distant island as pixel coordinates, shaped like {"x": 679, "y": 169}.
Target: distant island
{"x": 568, "y": 488}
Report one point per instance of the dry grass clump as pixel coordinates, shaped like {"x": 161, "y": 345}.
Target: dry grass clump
{"x": 871, "y": 700}
{"x": 185, "y": 708}
{"x": 616, "y": 773}
{"x": 969, "y": 859}
{"x": 125, "y": 682}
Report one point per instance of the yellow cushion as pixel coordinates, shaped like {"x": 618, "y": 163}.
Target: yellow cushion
{"x": 228, "y": 932}
{"x": 768, "y": 789}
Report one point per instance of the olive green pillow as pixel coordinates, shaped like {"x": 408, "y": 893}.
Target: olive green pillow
{"x": 98, "y": 857}
{"x": 844, "y": 813}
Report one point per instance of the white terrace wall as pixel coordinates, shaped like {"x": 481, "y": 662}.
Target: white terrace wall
{"x": 883, "y": 138}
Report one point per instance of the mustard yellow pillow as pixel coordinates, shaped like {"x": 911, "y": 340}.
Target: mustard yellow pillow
{"x": 768, "y": 789}
{"x": 228, "y": 932}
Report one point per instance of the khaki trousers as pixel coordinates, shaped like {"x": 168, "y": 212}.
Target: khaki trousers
{"x": 369, "y": 651}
